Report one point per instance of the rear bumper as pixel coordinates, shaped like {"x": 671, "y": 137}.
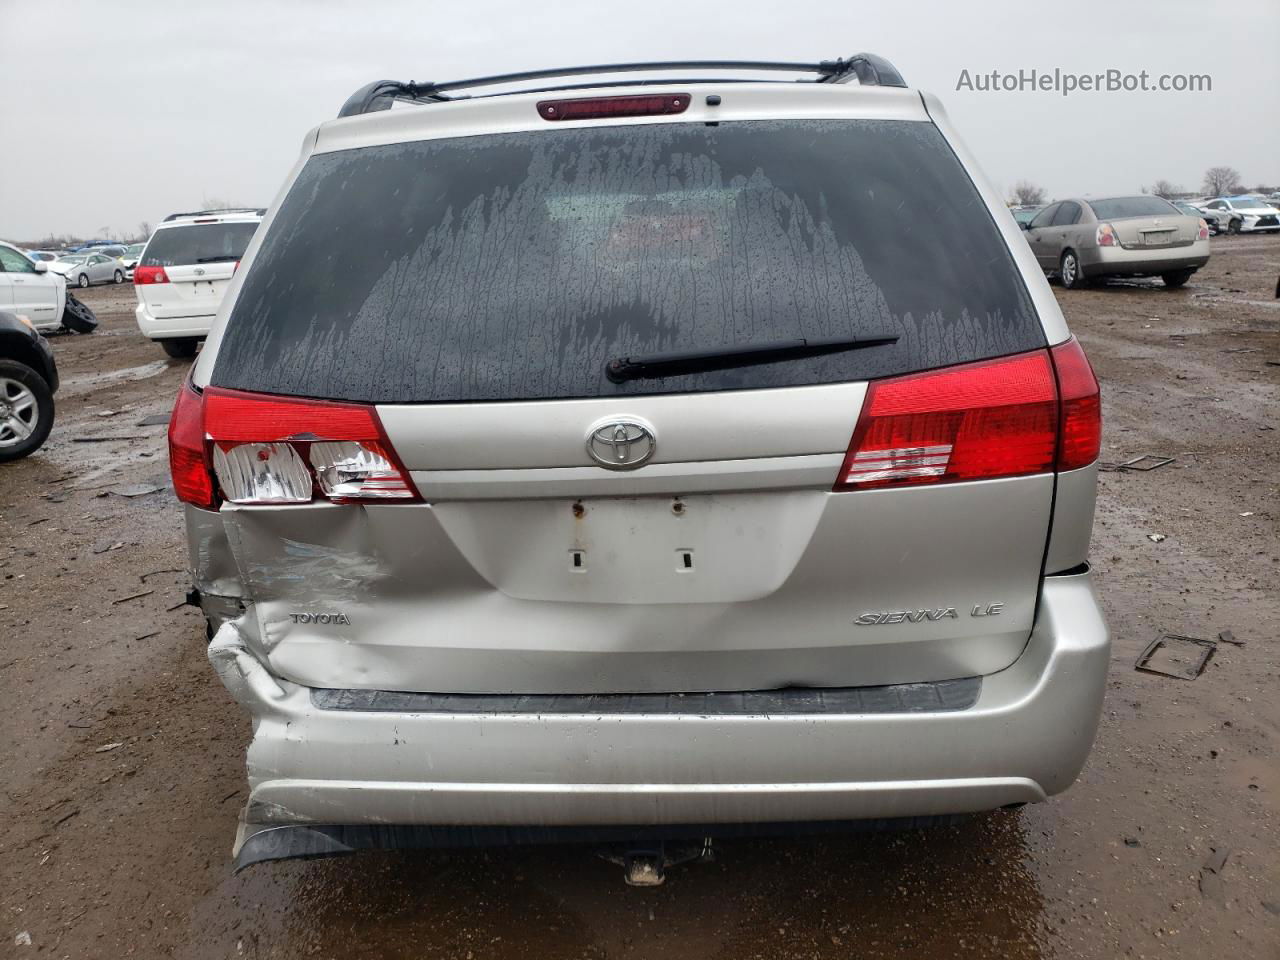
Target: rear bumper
{"x": 1117, "y": 261}
{"x": 1025, "y": 738}
{"x": 166, "y": 329}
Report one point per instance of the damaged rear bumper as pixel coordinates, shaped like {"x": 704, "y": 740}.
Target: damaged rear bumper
{"x": 331, "y": 770}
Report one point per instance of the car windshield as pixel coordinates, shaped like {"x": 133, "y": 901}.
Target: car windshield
{"x": 134, "y": 249}
{"x": 77, "y": 259}
{"x": 1251, "y": 203}
{"x": 1120, "y": 208}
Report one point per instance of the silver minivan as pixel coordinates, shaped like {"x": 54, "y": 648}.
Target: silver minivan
{"x": 604, "y": 461}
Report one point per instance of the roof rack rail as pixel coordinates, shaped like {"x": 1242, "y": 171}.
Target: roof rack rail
{"x": 870, "y": 70}
{"x": 260, "y": 211}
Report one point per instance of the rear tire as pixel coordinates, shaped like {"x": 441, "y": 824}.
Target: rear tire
{"x": 83, "y": 281}
{"x": 1176, "y": 278}
{"x": 119, "y": 277}
{"x": 180, "y": 348}
{"x": 26, "y": 410}
{"x": 1069, "y": 271}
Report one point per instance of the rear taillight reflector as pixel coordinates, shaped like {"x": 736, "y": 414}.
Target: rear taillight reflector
{"x": 1081, "y": 407}
{"x": 979, "y": 421}
{"x": 145, "y": 275}
{"x": 600, "y": 108}
{"x": 277, "y": 450}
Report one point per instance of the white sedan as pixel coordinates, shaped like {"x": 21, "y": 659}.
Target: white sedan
{"x": 85, "y": 269}
{"x": 1244, "y": 214}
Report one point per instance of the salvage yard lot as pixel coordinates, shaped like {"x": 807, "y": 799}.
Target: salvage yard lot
{"x": 124, "y": 760}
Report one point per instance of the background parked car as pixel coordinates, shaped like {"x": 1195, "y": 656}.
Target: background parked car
{"x": 45, "y": 256}
{"x": 184, "y": 271}
{"x": 1143, "y": 236}
{"x": 28, "y": 380}
{"x": 29, "y": 288}
{"x": 1245, "y": 214}
{"x": 86, "y": 269}
{"x": 1025, "y": 214}
{"x": 1191, "y": 210}
{"x": 115, "y": 250}
{"x": 130, "y": 259}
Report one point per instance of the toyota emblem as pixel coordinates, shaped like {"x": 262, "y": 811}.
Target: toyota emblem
{"x": 621, "y": 444}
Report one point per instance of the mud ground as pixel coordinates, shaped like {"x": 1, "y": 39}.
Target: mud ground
{"x": 122, "y": 770}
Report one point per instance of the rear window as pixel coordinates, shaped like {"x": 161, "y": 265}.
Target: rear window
{"x": 197, "y": 243}
{"x": 515, "y": 266}
{"x": 1124, "y": 207}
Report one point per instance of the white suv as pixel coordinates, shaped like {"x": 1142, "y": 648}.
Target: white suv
{"x": 183, "y": 272}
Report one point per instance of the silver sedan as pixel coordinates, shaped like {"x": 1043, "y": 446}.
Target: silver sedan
{"x": 1082, "y": 240}
{"x": 84, "y": 269}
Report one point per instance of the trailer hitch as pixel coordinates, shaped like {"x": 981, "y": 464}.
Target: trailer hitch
{"x": 646, "y": 866}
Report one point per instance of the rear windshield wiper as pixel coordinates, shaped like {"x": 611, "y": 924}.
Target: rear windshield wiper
{"x": 221, "y": 259}
{"x": 742, "y": 355}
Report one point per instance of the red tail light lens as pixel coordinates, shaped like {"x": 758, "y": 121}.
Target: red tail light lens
{"x": 1203, "y": 233}
{"x": 601, "y": 108}
{"x": 1081, "y": 407}
{"x": 145, "y": 275}
{"x": 192, "y": 480}
{"x": 263, "y": 449}
{"x": 979, "y": 421}
{"x": 1031, "y": 413}
{"x": 1106, "y": 236}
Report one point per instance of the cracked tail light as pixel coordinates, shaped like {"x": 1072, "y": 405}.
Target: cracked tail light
{"x": 979, "y": 421}
{"x": 278, "y": 450}
{"x": 1106, "y": 236}
{"x": 1203, "y": 232}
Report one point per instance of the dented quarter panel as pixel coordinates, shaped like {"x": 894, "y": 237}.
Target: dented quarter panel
{"x": 210, "y": 560}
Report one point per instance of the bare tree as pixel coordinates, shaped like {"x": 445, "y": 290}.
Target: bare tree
{"x": 144, "y": 229}
{"x": 217, "y": 203}
{"x": 1163, "y": 188}
{"x": 1222, "y": 180}
{"x": 1026, "y": 193}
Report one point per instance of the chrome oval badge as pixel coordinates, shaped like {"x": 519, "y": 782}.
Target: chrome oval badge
{"x": 621, "y": 444}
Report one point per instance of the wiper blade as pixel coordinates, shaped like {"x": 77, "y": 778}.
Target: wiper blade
{"x": 222, "y": 259}
{"x": 742, "y": 355}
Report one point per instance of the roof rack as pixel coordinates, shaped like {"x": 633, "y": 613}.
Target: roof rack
{"x": 870, "y": 70}
{"x": 260, "y": 211}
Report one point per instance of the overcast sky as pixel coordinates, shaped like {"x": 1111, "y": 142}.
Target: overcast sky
{"x": 116, "y": 112}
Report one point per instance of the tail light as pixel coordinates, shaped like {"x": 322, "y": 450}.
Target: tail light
{"x": 1203, "y": 233}
{"x": 978, "y": 421}
{"x": 1081, "y": 407}
{"x": 192, "y": 480}
{"x": 145, "y": 275}
{"x": 603, "y": 108}
{"x": 1106, "y": 236}
{"x": 251, "y": 448}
